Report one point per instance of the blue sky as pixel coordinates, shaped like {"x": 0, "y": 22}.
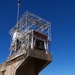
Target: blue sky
{"x": 61, "y": 14}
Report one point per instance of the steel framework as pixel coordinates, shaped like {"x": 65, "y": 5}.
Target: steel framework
{"x": 26, "y": 25}
{"x": 29, "y": 21}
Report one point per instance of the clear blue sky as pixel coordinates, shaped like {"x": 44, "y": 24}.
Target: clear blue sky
{"x": 61, "y": 14}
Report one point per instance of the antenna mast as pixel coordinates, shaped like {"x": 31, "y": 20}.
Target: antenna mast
{"x": 18, "y": 11}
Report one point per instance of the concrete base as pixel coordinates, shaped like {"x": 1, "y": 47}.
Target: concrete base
{"x": 26, "y": 64}
{"x": 31, "y": 66}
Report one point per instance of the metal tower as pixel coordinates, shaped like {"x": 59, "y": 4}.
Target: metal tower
{"x": 30, "y": 46}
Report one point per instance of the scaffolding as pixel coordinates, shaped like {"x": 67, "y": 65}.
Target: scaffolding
{"x": 29, "y": 21}
{"x": 27, "y": 24}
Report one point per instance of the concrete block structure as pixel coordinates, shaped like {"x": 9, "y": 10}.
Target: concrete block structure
{"x": 30, "y": 46}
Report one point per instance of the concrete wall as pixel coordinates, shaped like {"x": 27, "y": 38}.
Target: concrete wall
{"x": 11, "y": 69}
